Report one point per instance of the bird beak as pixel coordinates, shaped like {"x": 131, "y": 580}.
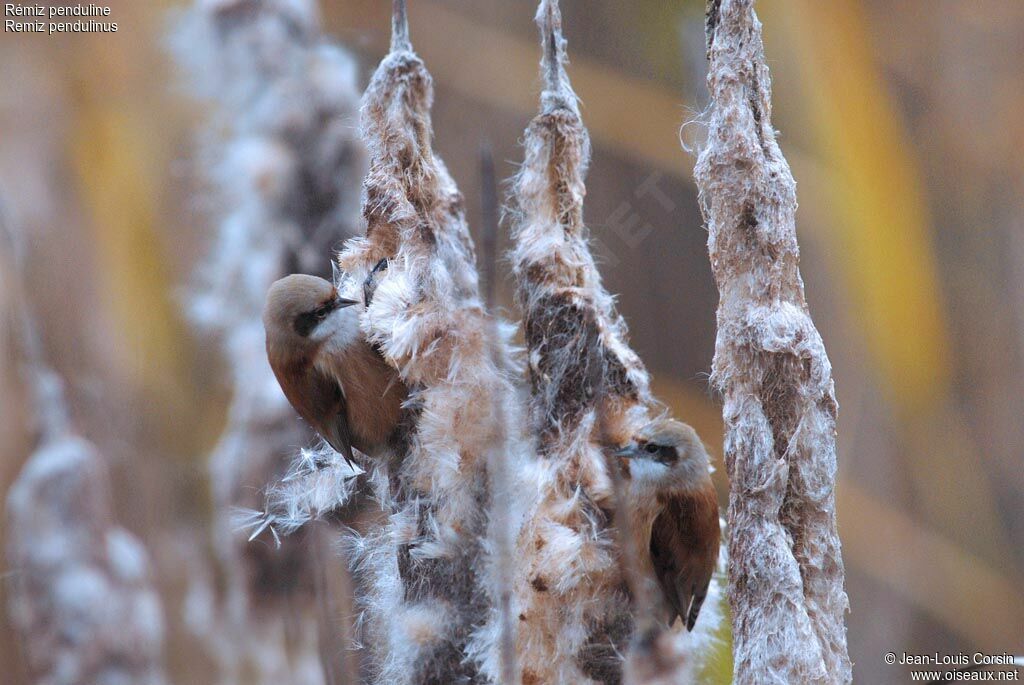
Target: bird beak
{"x": 630, "y": 451}
{"x": 342, "y": 302}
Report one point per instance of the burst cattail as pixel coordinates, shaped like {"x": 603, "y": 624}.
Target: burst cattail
{"x": 589, "y": 390}
{"x": 785, "y": 567}
{"x": 423, "y": 581}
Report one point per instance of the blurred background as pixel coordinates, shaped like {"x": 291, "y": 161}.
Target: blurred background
{"x": 901, "y": 122}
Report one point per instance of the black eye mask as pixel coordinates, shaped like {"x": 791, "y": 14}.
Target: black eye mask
{"x": 665, "y": 454}
{"x": 668, "y": 455}
{"x": 307, "y": 321}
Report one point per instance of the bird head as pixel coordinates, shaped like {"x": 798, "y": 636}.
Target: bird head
{"x": 306, "y": 311}
{"x": 666, "y": 453}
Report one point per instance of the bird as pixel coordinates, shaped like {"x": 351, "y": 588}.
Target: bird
{"x": 332, "y": 376}
{"x": 673, "y": 513}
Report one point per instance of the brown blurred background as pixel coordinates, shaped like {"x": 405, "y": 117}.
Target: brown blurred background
{"x": 902, "y": 122}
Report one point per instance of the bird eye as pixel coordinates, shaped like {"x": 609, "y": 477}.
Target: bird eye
{"x": 305, "y": 323}
{"x": 651, "y": 448}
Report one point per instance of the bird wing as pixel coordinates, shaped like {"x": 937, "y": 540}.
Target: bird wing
{"x": 684, "y": 551}
{"x": 332, "y": 415}
{"x": 319, "y": 400}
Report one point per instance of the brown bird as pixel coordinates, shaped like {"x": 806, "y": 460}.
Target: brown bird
{"x": 332, "y": 376}
{"x": 674, "y": 513}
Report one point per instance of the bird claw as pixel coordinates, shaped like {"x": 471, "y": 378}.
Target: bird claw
{"x": 371, "y": 282}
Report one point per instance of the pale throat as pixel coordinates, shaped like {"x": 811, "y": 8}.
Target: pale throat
{"x": 339, "y": 330}
{"x": 687, "y": 476}
{"x": 646, "y": 479}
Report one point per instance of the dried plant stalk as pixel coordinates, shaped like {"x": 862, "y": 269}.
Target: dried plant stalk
{"x": 588, "y": 387}
{"x": 785, "y": 567}
{"x": 282, "y": 157}
{"x": 423, "y": 582}
{"x": 81, "y": 593}
{"x": 81, "y": 590}
{"x": 577, "y": 578}
{"x": 497, "y": 643}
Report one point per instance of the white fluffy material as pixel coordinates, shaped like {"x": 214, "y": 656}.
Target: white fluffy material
{"x": 82, "y": 594}
{"x": 423, "y": 582}
{"x": 589, "y": 389}
{"x": 318, "y": 482}
{"x": 785, "y": 566}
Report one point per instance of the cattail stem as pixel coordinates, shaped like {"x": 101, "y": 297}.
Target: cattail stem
{"x": 400, "y": 27}
{"x": 502, "y": 525}
{"x": 639, "y": 587}
{"x": 549, "y": 19}
{"x": 502, "y": 530}
{"x": 47, "y": 388}
{"x": 489, "y": 229}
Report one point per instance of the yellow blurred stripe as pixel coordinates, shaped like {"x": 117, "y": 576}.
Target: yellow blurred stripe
{"x": 878, "y": 201}
{"x": 887, "y": 262}
{"x": 113, "y": 161}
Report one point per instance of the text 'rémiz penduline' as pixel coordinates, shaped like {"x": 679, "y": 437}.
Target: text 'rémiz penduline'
{"x": 74, "y": 13}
